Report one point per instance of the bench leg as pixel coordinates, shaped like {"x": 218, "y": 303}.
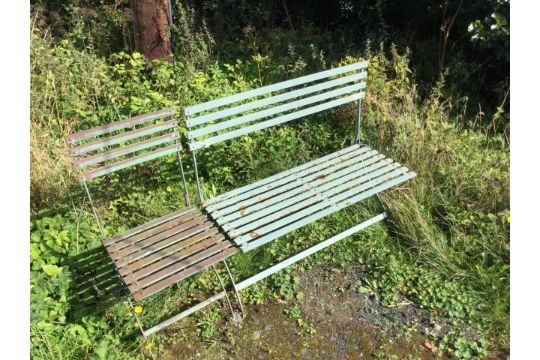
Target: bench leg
{"x": 223, "y": 288}
{"x": 235, "y": 288}
{"x": 184, "y": 314}
{"x": 191, "y": 310}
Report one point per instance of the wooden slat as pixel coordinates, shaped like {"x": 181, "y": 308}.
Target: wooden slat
{"x": 185, "y": 229}
{"x": 274, "y": 87}
{"x": 136, "y": 160}
{"x": 185, "y": 255}
{"x": 172, "y": 250}
{"x": 148, "y": 225}
{"x": 125, "y": 150}
{"x": 120, "y": 138}
{"x": 166, "y": 282}
{"x": 161, "y": 227}
{"x": 118, "y": 125}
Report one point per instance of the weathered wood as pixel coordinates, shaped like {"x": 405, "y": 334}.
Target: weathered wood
{"x": 151, "y": 20}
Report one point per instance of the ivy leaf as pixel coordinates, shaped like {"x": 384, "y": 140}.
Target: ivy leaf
{"x": 51, "y": 270}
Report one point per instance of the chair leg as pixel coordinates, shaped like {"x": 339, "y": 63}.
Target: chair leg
{"x": 381, "y": 205}
{"x": 235, "y": 289}
{"x": 225, "y": 290}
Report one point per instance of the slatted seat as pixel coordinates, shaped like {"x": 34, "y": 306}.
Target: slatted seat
{"x": 166, "y": 250}
{"x": 157, "y": 254}
{"x": 265, "y": 210}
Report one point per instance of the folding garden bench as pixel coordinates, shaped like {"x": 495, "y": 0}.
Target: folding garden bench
{"x": 265, "y": 210}
{"x": 161, "y": 252}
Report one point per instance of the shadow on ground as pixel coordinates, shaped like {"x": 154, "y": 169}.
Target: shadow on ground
{"x": 97, "y": 286}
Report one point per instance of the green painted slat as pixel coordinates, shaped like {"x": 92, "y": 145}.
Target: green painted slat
{"x": 274, "y": 110}
{"x": 275, "y": 87}
{"x": 296, "y": 215}
{"x": 129, "y": 162}
{"x": 319, "y": 215}
{"x": 286, "y": 178}
{"x": 117, "y": 139}
{"x": 317, "y": 183}
{"x": 275, "y": 121}
{"x": 273, "y": 99}
{"x": 219, "y": 198}
{"x": 113, "y": 154}
{"x": 260, "y": 196}
{"x": 118, "y": 125}
{"x": 329, "y": 192}
{"x": 312, "y": 250}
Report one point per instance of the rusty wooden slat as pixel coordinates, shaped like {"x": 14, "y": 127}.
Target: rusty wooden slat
{"x": 139, "y": 295}
{"x": 120, "y": 138}
{"x": 178, "y": 267}
{"x": 118, "y": 125}
{"x": 187, "y": 228}
{"x": 132, "y": 161}
{"x": 130, "y": 241}
{"x": 165, "y": 243}
{"x": 173, "y": 250}
{"x": 184, "y": 255}
{"x": 148, "y": 225}
{"x": 125, "y": 150}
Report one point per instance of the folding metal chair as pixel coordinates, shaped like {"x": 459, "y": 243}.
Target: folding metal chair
{"x": 164, "y": 251}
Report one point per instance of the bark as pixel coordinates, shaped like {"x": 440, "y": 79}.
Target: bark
{"x": 150, "y": 18}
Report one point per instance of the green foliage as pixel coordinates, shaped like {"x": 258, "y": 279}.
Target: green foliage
{"x": 206, "y": 324}
{"x": 447, "y": 249}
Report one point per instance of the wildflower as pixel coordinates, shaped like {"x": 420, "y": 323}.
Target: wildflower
{"x": 149, "y": 346}
{"x": 138, "y": 309}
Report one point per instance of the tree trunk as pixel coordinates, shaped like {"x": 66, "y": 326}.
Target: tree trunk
{"x": 151, "y": 21}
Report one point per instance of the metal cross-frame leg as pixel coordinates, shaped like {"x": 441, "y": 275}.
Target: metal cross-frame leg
{"x": 199, "y": 188}
{"x": 235, "y": 288}
{"x": 357, "y": 131}
{"x": 223, "y": 288}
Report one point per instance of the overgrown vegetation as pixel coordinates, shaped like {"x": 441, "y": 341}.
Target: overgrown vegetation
{"x": 446, "y": 248}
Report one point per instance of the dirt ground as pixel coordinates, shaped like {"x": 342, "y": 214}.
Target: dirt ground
{"x": 337, "y": 320}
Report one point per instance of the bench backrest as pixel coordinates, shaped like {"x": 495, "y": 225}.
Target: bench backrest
{"x": 119, "y": 145}
{"x": 219, "y": 120}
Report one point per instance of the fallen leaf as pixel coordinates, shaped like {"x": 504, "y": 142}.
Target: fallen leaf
{"x": 429, "y": 346}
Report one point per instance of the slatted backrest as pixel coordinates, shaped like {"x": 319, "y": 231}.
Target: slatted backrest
{"x": 226, "y": 118}
{"x": 105, "y": 149}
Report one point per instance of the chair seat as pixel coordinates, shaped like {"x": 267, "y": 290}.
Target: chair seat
{"x": 265, "y": 210}
{"x": 155, "y": 255}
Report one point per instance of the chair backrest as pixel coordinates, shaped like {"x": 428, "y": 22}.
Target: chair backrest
{"x": 122, "y": 144}
{"x": 219, "y": 120}
{"x": 119, "y": 145}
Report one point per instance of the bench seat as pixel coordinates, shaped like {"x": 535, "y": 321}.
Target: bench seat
{"x": 258, "y": 213}
{"x": 155, "y": 255}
